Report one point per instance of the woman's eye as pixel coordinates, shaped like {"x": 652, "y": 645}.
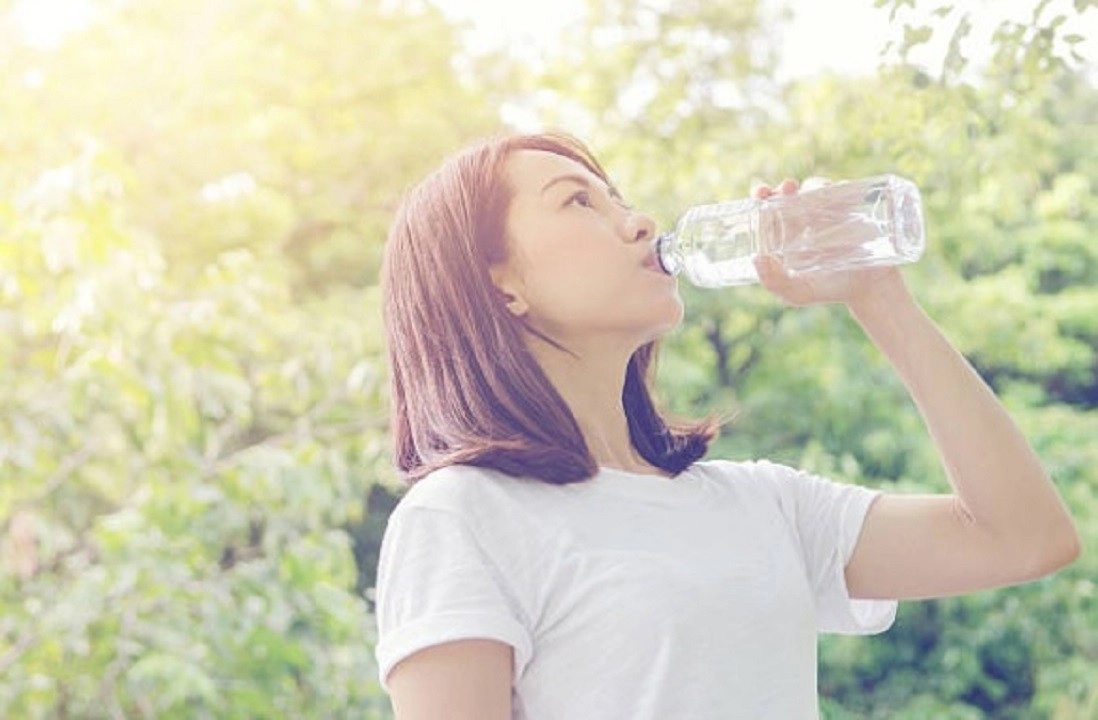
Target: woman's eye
{"x": 581, "y": 198}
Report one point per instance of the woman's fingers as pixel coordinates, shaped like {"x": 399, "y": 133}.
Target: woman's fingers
{"x": 775, "y": 278}
{"x": 785, "y": 187}
{"x": 761, "y": 191}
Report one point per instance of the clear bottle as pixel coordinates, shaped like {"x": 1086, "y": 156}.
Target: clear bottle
{"x": 847, "y": 224}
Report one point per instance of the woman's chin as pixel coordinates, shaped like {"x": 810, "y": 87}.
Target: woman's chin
{"x": 667, "y": 325}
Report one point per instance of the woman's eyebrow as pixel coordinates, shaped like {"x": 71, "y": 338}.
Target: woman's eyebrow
{"x": 580, "y": 180}
{"x": 570, "y": 177}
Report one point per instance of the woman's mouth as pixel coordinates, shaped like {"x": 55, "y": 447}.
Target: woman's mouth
{"x": 651, "y": 262}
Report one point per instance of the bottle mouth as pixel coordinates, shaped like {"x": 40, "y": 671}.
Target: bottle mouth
{"x": 668, "y": 260}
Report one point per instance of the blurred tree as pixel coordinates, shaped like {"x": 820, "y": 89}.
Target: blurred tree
{"x": 193, "y": 200}
{"x": 178, "y": 461}
{"x": 289, "y": 126}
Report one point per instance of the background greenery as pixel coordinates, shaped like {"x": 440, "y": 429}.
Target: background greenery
{"x": 193, "y": 200}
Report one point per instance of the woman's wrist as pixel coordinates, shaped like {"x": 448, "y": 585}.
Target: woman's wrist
{"x": 883, "y": 301}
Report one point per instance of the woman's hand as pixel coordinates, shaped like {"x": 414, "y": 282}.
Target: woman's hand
{"x": 851, "y": 287}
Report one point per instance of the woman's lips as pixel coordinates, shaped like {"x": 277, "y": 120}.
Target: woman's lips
{"x": 652, "y": 262}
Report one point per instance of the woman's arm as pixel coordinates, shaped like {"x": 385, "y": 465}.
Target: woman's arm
{"x": 461, "y": 680}
{"x": 1004, "y": 523}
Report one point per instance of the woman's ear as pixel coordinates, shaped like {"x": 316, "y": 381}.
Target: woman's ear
{"x": 509, "y": 287}
{"x": 516, "y": 305}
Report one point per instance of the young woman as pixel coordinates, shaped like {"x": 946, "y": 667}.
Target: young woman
{"x": 563, "y": 552}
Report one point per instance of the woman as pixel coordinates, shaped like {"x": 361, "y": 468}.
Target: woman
{"x": 563, "y": 552}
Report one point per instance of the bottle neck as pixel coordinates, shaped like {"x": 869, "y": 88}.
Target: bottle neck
{"x": 667, "y": 254}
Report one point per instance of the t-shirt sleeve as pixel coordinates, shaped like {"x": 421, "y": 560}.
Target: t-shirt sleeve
{"x": 828, "y": 518}
{"x": 436, "y": 584}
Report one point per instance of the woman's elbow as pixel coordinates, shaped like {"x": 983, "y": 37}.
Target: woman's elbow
{"x": 1054, "y": 551}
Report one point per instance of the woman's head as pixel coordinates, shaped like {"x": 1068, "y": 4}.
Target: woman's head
{"x": 579, "y": 267}
{"x": 519, "y": 239}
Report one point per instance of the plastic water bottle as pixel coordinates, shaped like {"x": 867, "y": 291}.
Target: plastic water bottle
{"x": 842, "y": 225}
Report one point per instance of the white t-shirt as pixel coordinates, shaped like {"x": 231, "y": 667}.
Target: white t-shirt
{"x": 631, "y": 596}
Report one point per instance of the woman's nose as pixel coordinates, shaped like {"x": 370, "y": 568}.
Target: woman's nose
{"x": 640, "y": 227}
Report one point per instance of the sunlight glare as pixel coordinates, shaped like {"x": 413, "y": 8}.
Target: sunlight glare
{"x": 43, "y": 23}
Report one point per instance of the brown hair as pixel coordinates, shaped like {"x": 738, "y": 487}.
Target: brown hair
{"x": 464, "y": 387}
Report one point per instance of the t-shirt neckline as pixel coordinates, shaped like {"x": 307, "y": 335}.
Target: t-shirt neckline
{"x": 606, "y": 470}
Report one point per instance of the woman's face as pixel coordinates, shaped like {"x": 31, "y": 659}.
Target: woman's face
{"x": 581, "y": 265}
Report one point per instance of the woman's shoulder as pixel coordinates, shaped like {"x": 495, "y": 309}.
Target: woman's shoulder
{"x": 463, "y": 489}
{"x": 756, "y": 479}
{"x": 752, "y": 472}
{"x": 500, "y": 511}
{"x": 791, "y": 487}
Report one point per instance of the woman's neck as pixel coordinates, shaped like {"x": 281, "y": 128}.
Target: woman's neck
{"x": 591, "y": 385}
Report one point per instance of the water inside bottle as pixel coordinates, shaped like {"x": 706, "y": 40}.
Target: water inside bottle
{"x": 846, "y": 226}
{"x": 719, "y": 244}
{"x": 875, "y": 221}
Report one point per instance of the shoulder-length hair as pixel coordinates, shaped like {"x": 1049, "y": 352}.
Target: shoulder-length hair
{"x": 465, "y": 389}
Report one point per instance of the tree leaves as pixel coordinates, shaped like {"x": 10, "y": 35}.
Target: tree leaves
{"x": 194, "y": 469}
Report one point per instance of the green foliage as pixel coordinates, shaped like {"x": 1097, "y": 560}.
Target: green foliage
{"x": 194, "y": 200}
{"x": 290, "y": 127}
{"x": 193, "y": 455}
{"x": 185, "y": 457}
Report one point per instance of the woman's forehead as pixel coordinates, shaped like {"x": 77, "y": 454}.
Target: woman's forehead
{"x": 530, "y": 170}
